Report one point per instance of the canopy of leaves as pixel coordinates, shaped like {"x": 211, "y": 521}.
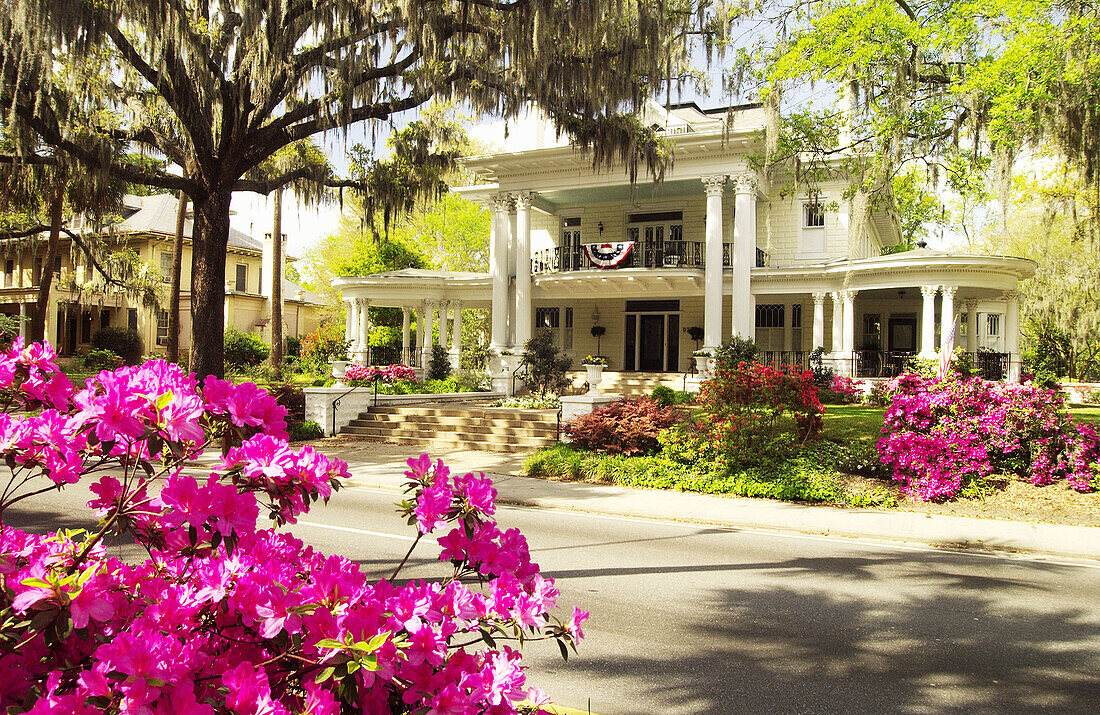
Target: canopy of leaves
{"x": 942, "y": 84}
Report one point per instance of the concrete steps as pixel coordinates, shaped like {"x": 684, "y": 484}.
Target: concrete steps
{"x": 633, "y": 384}
{"x": 474, "y": 427}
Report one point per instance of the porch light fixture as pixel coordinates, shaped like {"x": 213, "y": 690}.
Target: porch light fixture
{"x": 600, "y": 227}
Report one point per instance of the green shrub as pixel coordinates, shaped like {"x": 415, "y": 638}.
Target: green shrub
{"x": 663, "y": 395}
{"x": 439, "y": 364}
{"x": 300, "y": 431}
{"x": 385, "y": 336}
{"x": 860, "y": 458}
{"x": 546, "y": 366}
{"x": 473, "y": 381}
{"x": 244, "y": 349}
{"x": 293, "y": 347}
{"x": 292, "y": 398}
{"x": 735, "y": 351}
{"x": 121, "y": 341}
{"x": 97, "y": 360}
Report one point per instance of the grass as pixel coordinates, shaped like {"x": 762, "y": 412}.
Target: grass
{"x": 1085, "y": 413}
{"x": 848, "y": 423}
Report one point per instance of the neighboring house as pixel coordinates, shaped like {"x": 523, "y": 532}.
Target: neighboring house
{"x": 148, "y": 227}
{"x": 712, "y": 246}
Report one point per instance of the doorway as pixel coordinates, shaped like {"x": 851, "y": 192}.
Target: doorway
{"x": 652, "y": 339}
{"x": 903, "y": 334}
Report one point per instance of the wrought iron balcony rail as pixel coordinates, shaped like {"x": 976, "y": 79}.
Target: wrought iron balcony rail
{"x": 665, "y": 254}
{"x": 877, "y": 363}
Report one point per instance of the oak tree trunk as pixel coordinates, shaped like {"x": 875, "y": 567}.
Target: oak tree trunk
{"x": 277, "y": 285}
{"x": 177, "y": 271}
{"x": 37, "y": 331}
{"x": 209, "y": 241}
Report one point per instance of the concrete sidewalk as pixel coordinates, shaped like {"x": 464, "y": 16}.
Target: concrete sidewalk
{"x": 377, "y": 465}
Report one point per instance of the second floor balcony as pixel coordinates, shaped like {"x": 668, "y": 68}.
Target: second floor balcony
{"x": 665, "y": 254}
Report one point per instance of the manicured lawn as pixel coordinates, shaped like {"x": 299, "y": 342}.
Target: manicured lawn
{"x": 1086, "y": 413}
{"x": 853, "y": 423}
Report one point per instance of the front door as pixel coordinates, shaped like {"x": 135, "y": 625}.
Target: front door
{"x": 651, "y": 347}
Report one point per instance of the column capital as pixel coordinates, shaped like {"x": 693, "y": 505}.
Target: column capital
{"x": 363, "y": 302}
{"x": 745, "y": 183}
{"x": 970, "y": 305}
{"x": 929, "y": 291}
{"x": 848, "y": 294}
{"x": 1011, "y": 295}
{"x": 819, "y": 298}
{"x": 714, "y": 184}
{"x": 523, "y": 200}
{"x": 501, "y": 202}
{"x": 949, "y": 291}
{"x": 837, "y": 296}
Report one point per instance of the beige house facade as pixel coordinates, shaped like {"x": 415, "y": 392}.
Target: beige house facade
{"x": 713, "y": 251}
{"x": 79, "y": 307}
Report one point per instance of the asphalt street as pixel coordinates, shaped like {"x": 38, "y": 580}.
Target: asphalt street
{"x": 699, "y": 619}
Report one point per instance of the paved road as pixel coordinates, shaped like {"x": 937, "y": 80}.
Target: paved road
{"x": 693, "y": 619}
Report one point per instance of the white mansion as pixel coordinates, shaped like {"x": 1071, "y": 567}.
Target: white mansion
{"x": 712, "y": 247}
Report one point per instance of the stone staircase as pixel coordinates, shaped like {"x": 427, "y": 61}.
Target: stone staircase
{"x": 458, "y": 426}
{"x": 635, "y": 384}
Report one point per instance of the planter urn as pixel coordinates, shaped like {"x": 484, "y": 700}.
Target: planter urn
{"x": 595, "y": 376}
{"x": 339, "y": 369}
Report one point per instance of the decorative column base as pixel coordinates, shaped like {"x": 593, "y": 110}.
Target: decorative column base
{"x": 501, "y": 368}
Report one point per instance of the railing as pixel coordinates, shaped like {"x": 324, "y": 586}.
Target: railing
{"x": 392, "y": 355}
{"x": 777, "y": 358}
{"x": 663, "y": 254}
{"x": 992, "y": 366}
{"x": 876, "y": 363}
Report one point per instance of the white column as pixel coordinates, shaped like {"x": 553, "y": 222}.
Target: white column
{"x": 744, "y": 255}
{"x": 423, "y": 330}
{"x": 405, "y": 334}
{"x": 819, "y": 321}
{"x": 838, "y": 325}
{"x": 22, "y": 318}
{"x": 444, "y": 310}
{"x": 1012, "y": 334}
{"x": 928, "y": 322}
{"x": 947, "y": 315}
{"x": 351, "y": 324}
{"x": 524, "y": 317}
{"x": 849, "y": 298}
{"x": 712, "y": 265}
{"x": 510, "y": 227}
{"x": 364, "y": 330}
{"x": 456, "y": 333}
{"x": 498, "y": 271}
{"x": 971, "y": 326}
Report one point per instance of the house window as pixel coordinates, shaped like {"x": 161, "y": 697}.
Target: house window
{"x": 242, "y": 278}
{"x": 993, "y": 324}
{"x": 549, "y": 319}
{"x": 813, "y": 214}
{"x": 650, "y": 232}
{"x": 872, "y": 331}
{"x": 571, "y": 243}
{"x": 57, "y": 265}
{"x": 162, "y": 327}
{"x": 131, "y": 319}
{"x": 9, "y": 274}
{"x": 567, "y": 331}
{"x": 769, "y": 316}
{"x": 166, "y": 266}
{"x": 796, "y": 315}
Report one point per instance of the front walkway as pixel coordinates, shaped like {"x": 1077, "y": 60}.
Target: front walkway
{"x": 382, "y": 466}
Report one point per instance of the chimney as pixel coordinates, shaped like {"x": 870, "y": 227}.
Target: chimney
{"x": 267, "y": 264}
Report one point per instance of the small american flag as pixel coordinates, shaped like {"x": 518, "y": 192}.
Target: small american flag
{"x": 948, "y": 351}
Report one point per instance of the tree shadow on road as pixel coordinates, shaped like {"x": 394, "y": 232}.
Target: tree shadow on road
{"x": 903, "y": 632}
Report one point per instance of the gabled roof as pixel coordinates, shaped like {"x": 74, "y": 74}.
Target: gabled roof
{"x": 156, "y": 214}
{"x": 290, "y": 292}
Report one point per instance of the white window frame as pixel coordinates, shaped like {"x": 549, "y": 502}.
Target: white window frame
{"x": 806, "y": 232}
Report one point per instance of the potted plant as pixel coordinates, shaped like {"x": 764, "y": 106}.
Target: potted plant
{"x": 339, "y": 369}
{"x": 702, "y": 360}
{"x": 597, "y": 333}
{"x": 696, "y": 334}
{"x": 594, "y": 365}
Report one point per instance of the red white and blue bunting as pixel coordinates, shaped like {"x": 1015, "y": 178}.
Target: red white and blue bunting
{"x": 607, "y": 255}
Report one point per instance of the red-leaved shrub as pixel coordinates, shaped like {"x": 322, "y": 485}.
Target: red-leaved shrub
{"x": 623, "y": 427}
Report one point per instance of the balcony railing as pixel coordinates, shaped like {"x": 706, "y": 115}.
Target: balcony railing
{"x": 779, "y": 358}
{"x": 666, "y": 254}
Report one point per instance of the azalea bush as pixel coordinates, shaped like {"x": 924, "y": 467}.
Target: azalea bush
{"x": 228, "y": 613}
{"x": 840, "y": 390}
{"x": 624, "y": 427}
{"x": 749, "y": 414}
{"x": 941, "y": 435}
{"x": 357, "y": 374}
